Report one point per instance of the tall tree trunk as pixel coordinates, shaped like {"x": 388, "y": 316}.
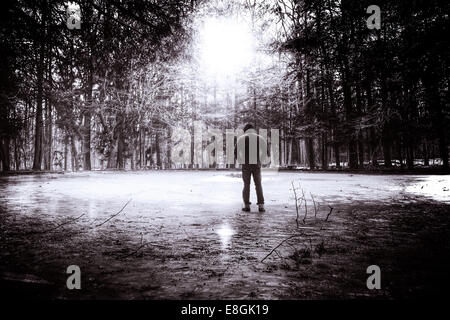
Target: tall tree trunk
{"x": 17, "y": 153}
{"x": 410, "y": 156}
{"x": 310, "y": 153}
{"x": 373, "y": 147}
{"x": 66, "y": 143}
{"x": 443, "y": 147}
{"x": 386, "y": 141}
{"x": 120, "y": 142}
{"x": 112, "y": 157}
{"x": 324, "y": 151}
{"x": 289, "y": 149}
{"x": 86, "y": 142}
{"x": 48, "y": 114}
{"x": 386, "y": 134}
{"x": 38, "y": 119}
{"x": 74, "y": 153}
{"x": 359, "y": 134}
{"x": 437, "y": 106}
{"x": 48, "y": 135}
{"x": 169, "y": 149}
{"x": 158, "y": 150}
{"x": 281, "y": 148}
{"x": 337, "y": 157}
{"x": 426, "y": 156}
{"x": 352, "y": 154}
{"x": 400, "y": 154}
{"x": 309, "y": 141}
{"x": 87, "y": 117}
{"x": 45, "y": 138}
{"x": 333, "y": 117}
{"x": 4, "y": 153}
{"x": 141, "y": 149}
{"x": 360, "y": 150}
{"x": 295, "y": 152}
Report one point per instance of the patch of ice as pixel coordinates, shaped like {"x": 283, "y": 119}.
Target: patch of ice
{"x": 434, "y": 187}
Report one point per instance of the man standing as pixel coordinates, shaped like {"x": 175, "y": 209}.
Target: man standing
{"x": 249, "y": 155}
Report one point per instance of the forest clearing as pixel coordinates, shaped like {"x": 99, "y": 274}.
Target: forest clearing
{"x": 183, "y": 236}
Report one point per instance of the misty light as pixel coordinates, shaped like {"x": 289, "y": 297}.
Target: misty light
{"x": 227, "y": 46}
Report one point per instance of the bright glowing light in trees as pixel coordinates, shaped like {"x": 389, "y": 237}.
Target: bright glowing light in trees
{"x": 226, "y": 46}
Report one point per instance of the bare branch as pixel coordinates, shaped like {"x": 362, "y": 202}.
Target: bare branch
{"x": 62, "y": 224}
{"x": 329, "y": 213}
{"x": 296, "y": 201}
{"x": 114, "y": 215}
{"x": 272, "y": 251}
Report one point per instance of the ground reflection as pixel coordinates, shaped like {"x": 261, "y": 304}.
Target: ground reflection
{"x": 225, "y": 232}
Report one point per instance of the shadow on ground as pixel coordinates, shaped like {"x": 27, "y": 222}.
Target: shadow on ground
{"x": 326, "y": 259}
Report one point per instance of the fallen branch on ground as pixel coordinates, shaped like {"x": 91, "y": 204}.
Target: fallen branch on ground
{"x": 306, "y": 207}
{"x": 114, "y": 215}
{"x": 296, "y": 201}
{"x": 314, "y": 203}
{"x": 273, "y": 250}
{"x": 329, "y": 213}
{"x": 60, "y": 225}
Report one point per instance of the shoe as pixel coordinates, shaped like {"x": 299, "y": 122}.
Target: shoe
{"x": 261, "y": 208}
{"x": 246, "y": 207}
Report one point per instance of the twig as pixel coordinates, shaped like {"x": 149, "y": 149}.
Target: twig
{"x": 314, "y": 202}
{"x": 114, "y": 215}
{"x": 329, "y": 213}
{"x": 62, "y": 224}
{"x": 296, "y": 203}
{"x": 306, "y": 208}
{"x": 288, "y": 238}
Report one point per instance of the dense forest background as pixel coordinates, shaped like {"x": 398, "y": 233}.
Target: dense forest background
{"x": 108, "y": 95}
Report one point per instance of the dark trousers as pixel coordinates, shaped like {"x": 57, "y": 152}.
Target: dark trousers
{"x": 254, "y": 170}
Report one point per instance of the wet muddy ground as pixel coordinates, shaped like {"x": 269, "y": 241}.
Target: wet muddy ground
{"x": 182, "y": 235}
